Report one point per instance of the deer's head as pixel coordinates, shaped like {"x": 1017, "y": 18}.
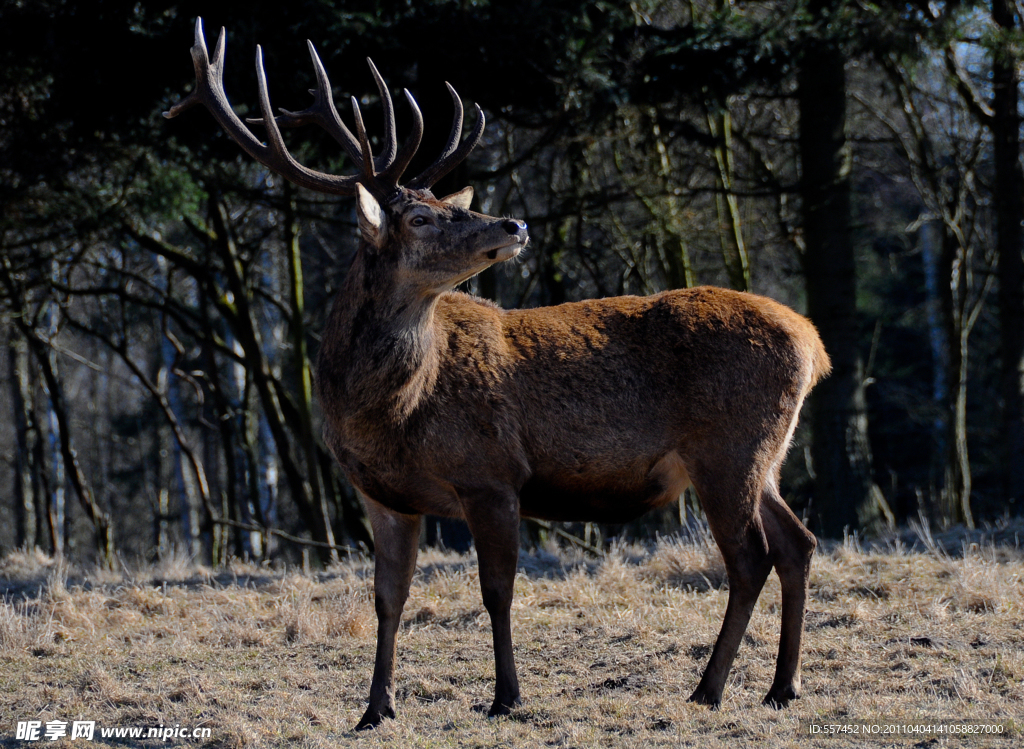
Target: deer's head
{"x": 433, "y": 244}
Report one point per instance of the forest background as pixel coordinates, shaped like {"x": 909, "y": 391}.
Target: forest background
{"x": 161, "y": 296}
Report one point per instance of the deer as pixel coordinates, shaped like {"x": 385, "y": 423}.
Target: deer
{"x": 438, "y": 402}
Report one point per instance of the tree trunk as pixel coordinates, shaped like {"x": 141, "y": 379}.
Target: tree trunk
{"x": 61, "y": 428}
{"x": 184, "y": 486}
{"x": 25, "y": 434}
{"x": 234, "y": 464}
{"x": 1008, "y": 193}
{"x": 845, "y": 497}
{"x": 946, "y": 284}
{"x": 727, "y": 207}
{"x": 319, "y": 483}
{"x": 670, "y": 238}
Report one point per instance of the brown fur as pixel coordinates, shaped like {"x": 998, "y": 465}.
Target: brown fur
{"x": 439, "y": 402}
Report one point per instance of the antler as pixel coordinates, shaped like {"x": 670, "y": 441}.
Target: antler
{"x": 380, "y": 175}
{"x": 323, "y": 113}
{"x": 454, "y": 154}
{"x": 209, "y": 92}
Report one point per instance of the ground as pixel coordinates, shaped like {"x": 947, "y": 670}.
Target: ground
{"x": 608, "y": 651}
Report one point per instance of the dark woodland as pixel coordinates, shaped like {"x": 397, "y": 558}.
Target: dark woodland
{"x": 162, "y": 295}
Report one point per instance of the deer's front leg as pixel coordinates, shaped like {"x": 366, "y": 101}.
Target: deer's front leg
{"x": 395, "y": 540}
{"x": 494, "y": 522}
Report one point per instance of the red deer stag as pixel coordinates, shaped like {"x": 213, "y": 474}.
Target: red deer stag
{"x": 438, "y": 402}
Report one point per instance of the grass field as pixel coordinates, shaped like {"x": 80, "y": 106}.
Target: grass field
{"x": 608, "y": 651}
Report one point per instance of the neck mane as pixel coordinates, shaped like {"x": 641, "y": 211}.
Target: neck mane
{"x": 377, "y": 357}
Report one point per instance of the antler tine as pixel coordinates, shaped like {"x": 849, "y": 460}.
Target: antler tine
{"x": 387, "y": 155}
{"x": 409, "y": 148}
{"x": 369, "y": 178}
{"x": 321, "y": 112}
{"x": 209, "y": 92}
{"x": 201, "y": 62}
{"x": 456, "y": 133}
{"x": 453, "y": 154}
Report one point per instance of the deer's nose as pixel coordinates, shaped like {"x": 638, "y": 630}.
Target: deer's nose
{"x": 513, "y": 226}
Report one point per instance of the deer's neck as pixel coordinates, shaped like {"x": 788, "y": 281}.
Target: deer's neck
{"x": 378, "y": 358}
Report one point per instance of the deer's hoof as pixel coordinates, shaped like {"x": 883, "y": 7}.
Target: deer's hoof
{"x": 702, "y": 697}
{"x": 373, "y": 717}
{"x": 780, "y": 697}
{"x": 502, "y": 708}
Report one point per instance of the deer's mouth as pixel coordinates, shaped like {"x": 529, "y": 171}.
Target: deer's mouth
{"x": 506, "y": 251}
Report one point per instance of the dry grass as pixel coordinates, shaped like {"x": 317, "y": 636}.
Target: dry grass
{"x": 608, "y": 651}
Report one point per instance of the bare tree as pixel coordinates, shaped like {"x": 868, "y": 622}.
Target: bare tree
{"x": 846, "y": 496}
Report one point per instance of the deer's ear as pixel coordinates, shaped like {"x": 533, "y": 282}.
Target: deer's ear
{"x": 460, "y": 199}
{"x": 371, "y": 217}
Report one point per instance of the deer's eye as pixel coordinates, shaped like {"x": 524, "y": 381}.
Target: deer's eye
{"x": 419, "y": 221}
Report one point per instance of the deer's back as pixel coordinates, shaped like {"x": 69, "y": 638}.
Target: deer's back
{"x": 690, "y": 354}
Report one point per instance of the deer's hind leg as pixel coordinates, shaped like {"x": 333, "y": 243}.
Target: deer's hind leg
{"x": 730, "y": 498}
{"x": 791, "y": 547}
